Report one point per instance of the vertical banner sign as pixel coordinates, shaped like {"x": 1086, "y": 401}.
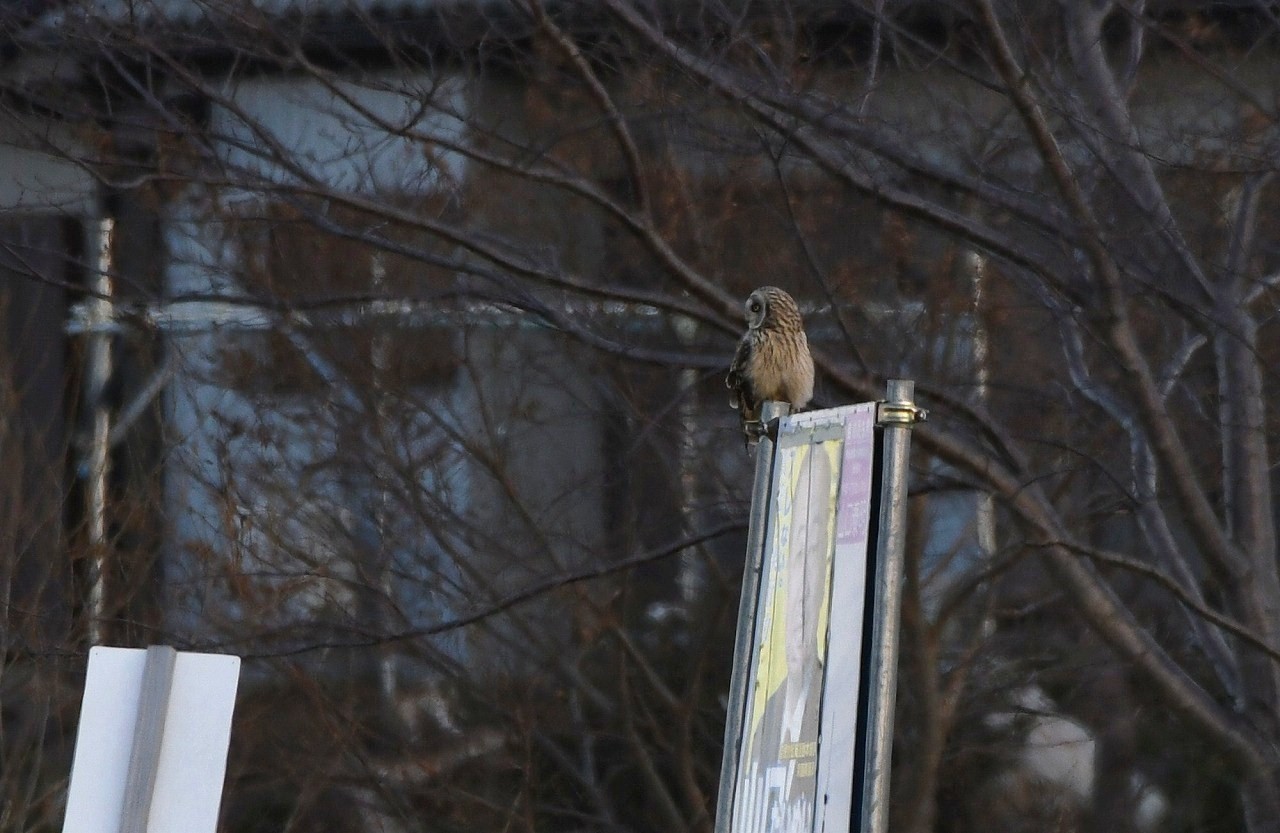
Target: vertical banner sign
{"x": 794, "y": 772}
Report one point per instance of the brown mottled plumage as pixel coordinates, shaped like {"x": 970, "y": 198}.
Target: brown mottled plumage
{"x": 773, "y": 361}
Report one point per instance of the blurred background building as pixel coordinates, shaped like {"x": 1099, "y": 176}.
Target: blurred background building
{"x": 383, "y": 344}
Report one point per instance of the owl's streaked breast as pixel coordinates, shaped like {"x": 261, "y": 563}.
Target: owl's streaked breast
{"x": 782, "y": 370}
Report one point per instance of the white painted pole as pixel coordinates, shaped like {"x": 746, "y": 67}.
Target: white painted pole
{"x": 97, "y": 374}
{"x": 691, "y": 575}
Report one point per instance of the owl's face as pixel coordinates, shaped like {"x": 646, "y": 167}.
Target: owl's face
{"x": 757, "y": 308}
{"x": 771, "y": 307}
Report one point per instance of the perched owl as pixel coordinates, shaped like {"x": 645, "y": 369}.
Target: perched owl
{"x": 773, "y": 361}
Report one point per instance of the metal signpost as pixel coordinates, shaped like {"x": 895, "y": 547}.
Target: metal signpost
{"x": 151, "y": 748}
{"x": 809, "y": 730}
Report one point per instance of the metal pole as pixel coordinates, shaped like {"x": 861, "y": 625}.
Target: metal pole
{"x": 148, "y": 735}
{"x": 97, "y": 373}
{"x": 896, "y": 416}
{"x": 738, "y": 684}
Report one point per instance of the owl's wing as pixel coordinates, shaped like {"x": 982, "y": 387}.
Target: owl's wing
{"x": 735, "y": 381}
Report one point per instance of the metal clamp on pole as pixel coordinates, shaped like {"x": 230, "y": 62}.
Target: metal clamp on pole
{"x": 769, "y": 426}
{"x": 896, "y": 416}
{"x": 897, "y": 411}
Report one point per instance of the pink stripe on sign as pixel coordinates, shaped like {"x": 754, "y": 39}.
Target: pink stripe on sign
{"x": 841, "y": 720}
{"x": 854, "y": 512}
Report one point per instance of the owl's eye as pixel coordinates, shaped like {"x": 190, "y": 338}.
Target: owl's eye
{"x": 754, "y": 306}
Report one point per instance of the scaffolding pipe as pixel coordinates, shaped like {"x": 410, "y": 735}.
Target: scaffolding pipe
{"x": 896, "y": 416}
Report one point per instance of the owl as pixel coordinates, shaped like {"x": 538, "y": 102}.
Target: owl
{"x": 773, "y": 360}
